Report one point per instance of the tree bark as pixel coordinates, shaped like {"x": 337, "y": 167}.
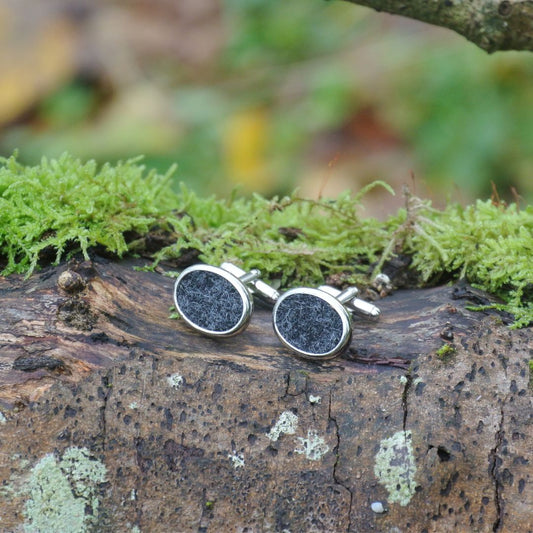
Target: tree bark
{"x": 491, "y": 24}
{"x": 116, "y": 418}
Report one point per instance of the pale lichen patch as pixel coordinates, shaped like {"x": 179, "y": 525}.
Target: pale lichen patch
{"x": 175, "y": 380}
{"x": 3, "y": 419}
{"x": 313, "y": 447}
{"x": 63, "y": 494}
{"x": 237, "y": 459}
{"x": 395, "y": 467}
{"x": 314, "y": 399}
{"x": 287, "y": 424}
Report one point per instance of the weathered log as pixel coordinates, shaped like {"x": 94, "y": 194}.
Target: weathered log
{"x": 117, "y": 418}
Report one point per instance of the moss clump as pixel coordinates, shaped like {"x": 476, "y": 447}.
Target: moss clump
{"x": 64, "y": 205}
{"x": 297, "y": 240}
{"x": 489, "y": 244}
{"x": 446, "y": 352}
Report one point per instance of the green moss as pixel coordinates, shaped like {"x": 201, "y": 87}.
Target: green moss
{"x": 488, "y": 244}
{"x": 63, "y": 206}
{"x": 304, "y": 241}
{"x": 173, "y": 314}
{"x": 446, "y": 352}
{"x": 63, "y": 494}
{"x": 295, "y": 239}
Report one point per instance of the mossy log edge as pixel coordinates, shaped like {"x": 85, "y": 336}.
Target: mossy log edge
{"x": 115, "y": 417}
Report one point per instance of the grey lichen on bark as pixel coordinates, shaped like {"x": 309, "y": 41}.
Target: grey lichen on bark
{"x": 491, "y": 24}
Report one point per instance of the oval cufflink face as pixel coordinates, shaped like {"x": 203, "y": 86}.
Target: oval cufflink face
{"x": 312, "y": 323}
{"x": 212, "y": 301}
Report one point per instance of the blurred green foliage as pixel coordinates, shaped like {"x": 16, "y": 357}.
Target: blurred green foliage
{"x": 290, "y": 73}
{"x": 470, "y": 117}
{"x": 72, "y": 104}
{"x": 275, "y": 32}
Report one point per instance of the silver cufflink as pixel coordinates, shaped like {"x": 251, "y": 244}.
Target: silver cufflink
{"x": 317, "y": 323}
{"x": 218, "y": 301}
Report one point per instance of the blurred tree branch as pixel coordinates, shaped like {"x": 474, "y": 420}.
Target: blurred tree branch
{"x": 491, "y": 24}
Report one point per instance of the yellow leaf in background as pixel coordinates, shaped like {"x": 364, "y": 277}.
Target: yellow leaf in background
{"x": 244, "y": 148}
{"x": 34, "y": 65}
{"x": 16, "y": 92}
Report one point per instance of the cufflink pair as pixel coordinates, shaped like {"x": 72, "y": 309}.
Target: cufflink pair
{"x": 314, "y": 323}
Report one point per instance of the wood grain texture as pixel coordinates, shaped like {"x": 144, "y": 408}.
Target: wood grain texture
{"x": 186, "y": 426}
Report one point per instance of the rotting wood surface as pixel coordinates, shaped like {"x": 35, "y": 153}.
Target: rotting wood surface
{"x": 197, "y": 434}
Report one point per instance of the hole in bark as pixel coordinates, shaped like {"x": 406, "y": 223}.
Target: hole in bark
{"x": 447, "y": 489}
{"x": 272, "y": 451}
{"x": 444, "y": 454}
{"x": 505, "y": 8}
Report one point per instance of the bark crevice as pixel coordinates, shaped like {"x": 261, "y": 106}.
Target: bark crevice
{"x": 495, "y": 462}
{"x": 336, "y": 477}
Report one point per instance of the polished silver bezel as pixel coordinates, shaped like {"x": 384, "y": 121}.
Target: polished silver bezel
{"x": 337, "y": 306}
{"x": 244, "y": 293}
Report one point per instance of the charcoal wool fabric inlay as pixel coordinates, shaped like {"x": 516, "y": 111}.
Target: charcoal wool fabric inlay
{"x": 309, "y": 323}
{"x": 209, "y": 301}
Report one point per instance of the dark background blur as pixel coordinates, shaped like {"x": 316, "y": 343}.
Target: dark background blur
{"x": 269, "y": 94}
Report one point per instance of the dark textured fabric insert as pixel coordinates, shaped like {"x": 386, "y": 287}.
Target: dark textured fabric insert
{"x": 209, "y": 301}
{"x": 309, "y": 323}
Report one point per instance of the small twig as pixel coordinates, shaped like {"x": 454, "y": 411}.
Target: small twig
{"x": 396, "y": 362}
